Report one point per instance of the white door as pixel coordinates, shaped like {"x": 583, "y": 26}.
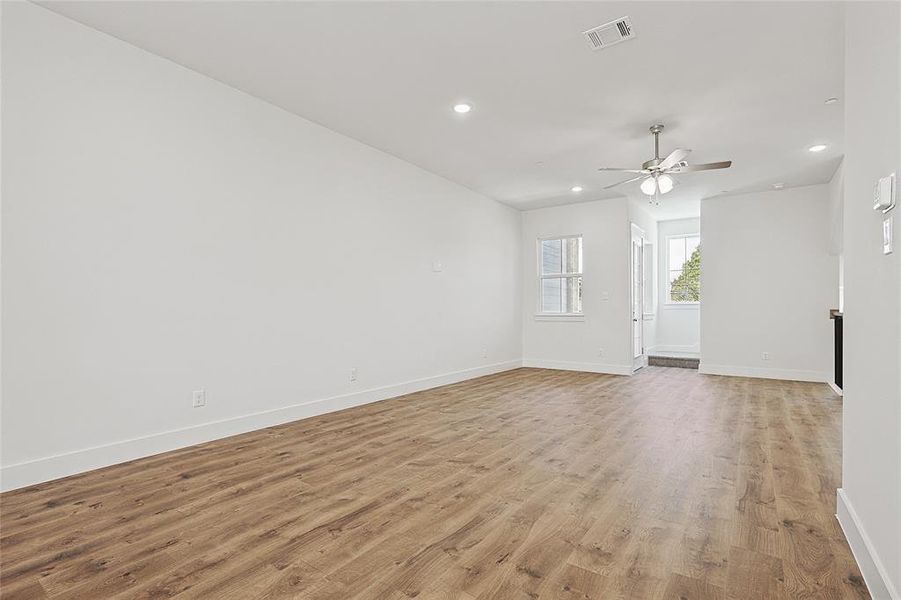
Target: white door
{"x": 638, "y": 355}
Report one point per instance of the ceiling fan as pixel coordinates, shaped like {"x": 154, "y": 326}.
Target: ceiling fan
{"x": 656, "y": 173}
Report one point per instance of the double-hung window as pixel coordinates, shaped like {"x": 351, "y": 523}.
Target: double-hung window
{"x": 560, "y": 276}
{"x": 683, "y": 269}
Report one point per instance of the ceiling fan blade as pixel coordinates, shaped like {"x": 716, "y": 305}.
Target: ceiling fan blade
{"x": 623, "y": 170}
{"x": 725, "y": 164}
{"x": 607, "y": 187}
{"x": 676, "y": 156}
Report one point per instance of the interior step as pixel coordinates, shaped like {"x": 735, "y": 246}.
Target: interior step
{"x": 674, "y": 361}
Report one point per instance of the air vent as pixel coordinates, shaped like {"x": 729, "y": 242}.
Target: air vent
{"x": 610, "y": 33}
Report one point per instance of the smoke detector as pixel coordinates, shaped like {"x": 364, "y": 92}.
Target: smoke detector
{"x": 611, "y": 33}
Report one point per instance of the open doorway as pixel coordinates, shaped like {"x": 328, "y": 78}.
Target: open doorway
{"x": 679, "y": 278}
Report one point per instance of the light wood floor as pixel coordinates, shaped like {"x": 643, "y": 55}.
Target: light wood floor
{"x": 527, "y": 484}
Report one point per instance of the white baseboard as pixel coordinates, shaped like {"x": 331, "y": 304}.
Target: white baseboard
{"x": 835, "y": 388}
{"x": 764, "y": 373}
{"x": 62, "y": 465}
{"x": 577, "y": 366}
{"x": 872, "y": 569}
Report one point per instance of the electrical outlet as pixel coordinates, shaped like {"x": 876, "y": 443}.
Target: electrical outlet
{"x": 600, "y": 352}
{"x": 198, "y": 399}
{"x": 484, "y": 353}
{"x": 765, "y": 356}
{"x": 353, "y": 374}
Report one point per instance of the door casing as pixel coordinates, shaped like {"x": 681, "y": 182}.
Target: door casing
{"x": 636, "y": 285}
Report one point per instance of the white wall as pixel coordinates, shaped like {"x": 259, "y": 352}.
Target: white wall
{"x": 869, "y": 505}
{"x": 678, "y": 325}
{"x": 836, "y": 206}
{"x": 163, "y": 233}
{"x": 836, "y": 235}
{"x": 768, "y": 282}
{"x": 578, "y": 345}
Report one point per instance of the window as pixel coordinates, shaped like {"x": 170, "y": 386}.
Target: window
{"x": 684, "y": 269}
{"x": 560, "y": 276}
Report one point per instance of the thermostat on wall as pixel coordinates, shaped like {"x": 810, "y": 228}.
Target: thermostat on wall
{"x": 884, "y": 194}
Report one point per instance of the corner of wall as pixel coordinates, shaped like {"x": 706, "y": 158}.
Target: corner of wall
{"x": 874, "y": 572}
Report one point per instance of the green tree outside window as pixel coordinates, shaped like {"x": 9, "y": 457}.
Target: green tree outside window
{"x": 687, "y": 286}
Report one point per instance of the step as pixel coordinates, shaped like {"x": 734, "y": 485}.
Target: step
{"x": 673, "y": 361}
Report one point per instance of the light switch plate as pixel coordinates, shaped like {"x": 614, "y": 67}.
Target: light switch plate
{"x": 887, "y": 235}
{"x": 884, "y": 194}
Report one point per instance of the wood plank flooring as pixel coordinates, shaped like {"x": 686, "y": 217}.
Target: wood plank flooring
{"x": 669, "y": 485}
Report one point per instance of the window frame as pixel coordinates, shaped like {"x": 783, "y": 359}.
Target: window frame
{"x": 540, "y": 315}
{"x": 668, "y": 301}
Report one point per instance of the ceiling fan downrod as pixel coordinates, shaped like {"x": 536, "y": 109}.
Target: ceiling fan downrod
{"x": 651, "y": 165}
{"x": 656, "y": 129}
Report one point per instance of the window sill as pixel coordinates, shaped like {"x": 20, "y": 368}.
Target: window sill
{"x": 681, "y": 305}
{"x": 559, "y": 317}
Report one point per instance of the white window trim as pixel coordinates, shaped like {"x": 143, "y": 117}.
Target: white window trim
{"x": 668, "y": 303}
{"x": 549, "y": 316}
{"x": 571, "y": 317}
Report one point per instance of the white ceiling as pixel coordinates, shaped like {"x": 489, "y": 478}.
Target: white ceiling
{"x": 740, "y": 81}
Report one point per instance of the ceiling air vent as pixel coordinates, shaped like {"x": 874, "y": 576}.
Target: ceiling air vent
{"x": 610, "y": 33}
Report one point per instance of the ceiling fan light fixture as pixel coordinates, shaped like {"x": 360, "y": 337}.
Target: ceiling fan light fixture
{"x": 649, "y": 186}
{"x": 817, "y": 148}
{"x": 665, "y": 182}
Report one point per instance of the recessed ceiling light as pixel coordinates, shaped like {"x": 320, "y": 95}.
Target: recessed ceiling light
{"x": 576, "y": 188}
{"x": 832, "y": 100}
{"x": 817, "y": 148}
{"x": 462, "y": 108}
{"x": 778, "y": 186}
